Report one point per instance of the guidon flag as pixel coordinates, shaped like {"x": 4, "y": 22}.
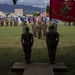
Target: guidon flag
{"x": 62, "y": 10}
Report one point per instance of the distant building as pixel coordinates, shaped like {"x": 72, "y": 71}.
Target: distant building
{"x": 12, "y": 14}
{"x": 2, "y": 14}
{"x": 29, "y": 15}
{"x": 19, "y": 12}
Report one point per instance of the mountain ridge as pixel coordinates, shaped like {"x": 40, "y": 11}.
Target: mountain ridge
{"x": 27, "y": 9}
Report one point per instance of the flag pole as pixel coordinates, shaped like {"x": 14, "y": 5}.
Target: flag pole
{"x": 50, "y": 11}
{"x": 45, "y": 6}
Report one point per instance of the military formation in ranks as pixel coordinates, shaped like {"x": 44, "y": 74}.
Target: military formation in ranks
{"x": 6, "y": 22}
{"x": 24, "y": 25}
{"x": 41, "y": 28}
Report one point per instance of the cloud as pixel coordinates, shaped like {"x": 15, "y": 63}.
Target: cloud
{"x": 5, "y": 1}
{"x": 37, "y": 3}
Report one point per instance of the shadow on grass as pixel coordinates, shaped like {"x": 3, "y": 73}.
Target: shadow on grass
{"x": 66, "y": 54}
{"x": 8, "y": 56}
{"x": 39, "y": 54}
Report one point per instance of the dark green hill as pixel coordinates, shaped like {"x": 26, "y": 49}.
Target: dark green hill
{"x": 27, "y": 9}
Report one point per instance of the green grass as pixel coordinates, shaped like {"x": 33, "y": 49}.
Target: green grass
{"x": 11, "y": 49}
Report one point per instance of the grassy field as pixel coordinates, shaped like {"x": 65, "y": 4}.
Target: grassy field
{"x": 11, "y": 49}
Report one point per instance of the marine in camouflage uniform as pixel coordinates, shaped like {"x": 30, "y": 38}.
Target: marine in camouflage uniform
{"x": 24, "y": 26}
{"x": 15, "y": 23}
{"x": 55, "y": 26}
{"x": 2, "y": 22}
{"x": 44, "y": 29}
{"x": 34, "y": 29}
{"x": 39, "y": 28}
{"x": 7, "y": 23}
{"x": 11, "y": 23}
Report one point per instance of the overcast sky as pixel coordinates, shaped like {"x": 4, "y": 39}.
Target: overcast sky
{"x": 36, "y": 3}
